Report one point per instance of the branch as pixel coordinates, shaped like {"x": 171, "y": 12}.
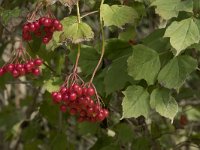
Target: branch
{"x": 189, "y": 102}
{"x": 89, "y": 13}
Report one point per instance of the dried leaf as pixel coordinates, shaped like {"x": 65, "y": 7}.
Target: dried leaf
{"x": 69, "y": 3}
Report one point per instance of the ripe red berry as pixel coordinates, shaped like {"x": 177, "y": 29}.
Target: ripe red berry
{"x": 90, "y": 91}
{"x": 22, "y": 71}
{"x": 73, "y": 111}
{"x": 47, "y": 22}
{"x": 53, "y": 94}
{"x": 82, "y": 113}
{"x": 56, "y": 22}
{"x": 31, "y": 27}
{"x": 2, "y": 71}
{"x": 59, "y": 27}
{"x": 28, "y": 67}
{"x": 105, "y": 112}
{"x": 45, "y": 40}
{"x": 63, "y": 90}
{"x": 37, "y": 25}
{"x": 10, "y": 67}
{"x": 72, "y": 96}
{"x": 80, "y": 119}
{"x": 63, "y": 108}
{"x": 57, "y": 97}
{"x": 84, "y": 91}
{"x": 36, "y": 71}
{"x": 31, "y": 62}
{"x": 100, "y": 117}
{"x": 65, "y": 98}
{"x": 15, "y": 73}
{"x": 18, "y": 67}
{"x": 38, "y": 62}
{"x": 25, "y": 28}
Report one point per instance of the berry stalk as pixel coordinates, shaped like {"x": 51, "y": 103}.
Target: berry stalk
{"x": 102, "y": 49}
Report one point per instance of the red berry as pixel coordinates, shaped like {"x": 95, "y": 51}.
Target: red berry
{"x": 100, "y": 117}
{"x": 25, "y": 28}
{"x": 28, "y": 67}
{"x": 59, "y": 27}
{"x": 41, "y": 20}
{"x": 22, "y": 71}
{"x": 63, "y": 108}
{"x": 90, "y": 91}
{"x": 15, "y": 73}
{"x": 73, "y": 111}
{"x": 45, "y": 40}
{"x": 37, "y": 25}
{"x": 80, "y": 119}
{"x": 2, "y": 71}
{"x": 63, "y": 90}
{"x": 90, "y": 111}
{"x": 57, "y": 98}
{"x": 84, "y": 91}
{"x": 65, "y": 98}
{"x": 31, "y": 62}
{"x": 56, "y": 23}
{"x": 47, "y": 22}
{"x": 105, "y": 112}
{"x": 18, "y": 67}
{"x": 31, "y": 27}
{"x": 75, "y": 87}
{"x": 72, "y": 96}
{"x": 54, "y": 94}
{"x": 10, "y": 67}
{"x": 82, "y": 113}
{"x": 97, "y": 108}
{"x": 36, "y": 71}
{"x": 38, "y": 62}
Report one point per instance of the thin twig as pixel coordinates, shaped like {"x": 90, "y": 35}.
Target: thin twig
{"x": 89, "y": 13}
{"x": 102, "y": 50}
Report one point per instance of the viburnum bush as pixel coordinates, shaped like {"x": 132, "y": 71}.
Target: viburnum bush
{"x": 99, "y": 74}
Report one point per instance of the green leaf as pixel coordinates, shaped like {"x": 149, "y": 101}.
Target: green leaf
{"x": 59, "y": 142}
{"x": 170, "y": 8}
{"x": 124, "y": 132}
{"x": 52, "y": 84}
{"x": 128, "y": 34}
{"x": 135, "y": 102}
{"x": 73, "y": 31}
{"x": 156, "y": 41}
{"x": 87, "y": 128}
{"x": 117, "y": 15}
{"x": 88, "y": 59}
{"x": 50, "y": 111}
{"x": 6, "y": 15}
{"x": 183, "y": 34}
{"x": 142, "y": 143}
{"x": 78, "y": 32}
{"x": 176, "y": 71}
{"x": 164, "y": 103}
{"x": 144, "y": 64}
{"x": 116, "y": 48}
{"x": 114, "y": 82}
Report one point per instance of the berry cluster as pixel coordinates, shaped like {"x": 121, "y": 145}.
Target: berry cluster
{"x": 78, "y": 100}
{"x": 44, "y": 28}
{"x": 21, "y": 64}
{"x": 21, "y": 69}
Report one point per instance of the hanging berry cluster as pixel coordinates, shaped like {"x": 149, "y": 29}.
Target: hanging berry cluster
{"x": 80, "y": 100}
{"x": 42, "y": 28}
{"x": 21, "y": 64}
